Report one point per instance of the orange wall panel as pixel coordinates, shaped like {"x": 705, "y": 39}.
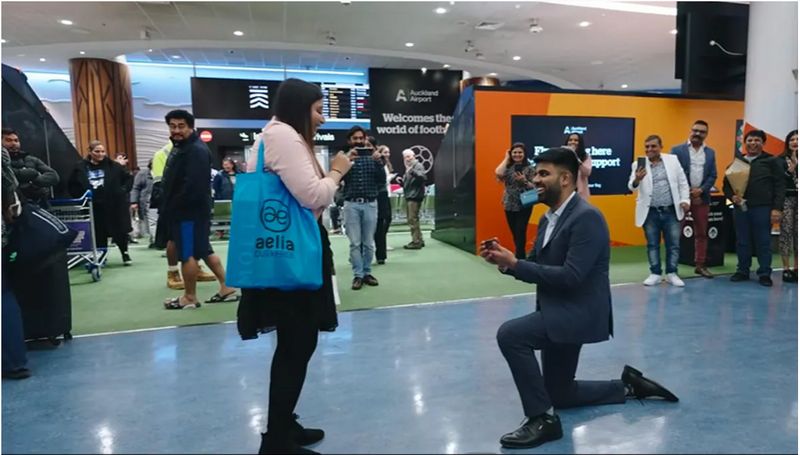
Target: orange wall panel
{"x": 671, "y": 118}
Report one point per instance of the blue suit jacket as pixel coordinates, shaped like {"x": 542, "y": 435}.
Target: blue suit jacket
{"x": 571, "y": 273}
{"x": 709, "y": 168}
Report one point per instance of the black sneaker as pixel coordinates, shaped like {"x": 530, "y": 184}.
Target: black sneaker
{"x": 126, "y": 259}
{"x": 765, "y": 280}
{"x": 739, "y": 276}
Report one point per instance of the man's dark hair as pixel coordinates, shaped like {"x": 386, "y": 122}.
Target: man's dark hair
{"x": 293, "y": 106}
{"x": 654, "y": 137}
{"x": 180, "y": 114}
{"x": 701, "y": 122}
{"x": 562, "y": 157}
{"x": 757, "y": 133}
{"x": 355, "y": 130}
{"x": 7, "y": 131}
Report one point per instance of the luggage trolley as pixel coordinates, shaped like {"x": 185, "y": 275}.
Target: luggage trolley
{"x": 78, "y": 214}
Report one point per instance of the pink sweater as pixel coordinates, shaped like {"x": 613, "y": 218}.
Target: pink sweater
{"x": 286, "y": 154}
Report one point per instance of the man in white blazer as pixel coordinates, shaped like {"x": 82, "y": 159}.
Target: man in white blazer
{"x": 663, "y": 197}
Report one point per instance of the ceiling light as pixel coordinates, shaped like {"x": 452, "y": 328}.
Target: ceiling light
{"x": 492, "y": 74}
{"x": 3, "y": 41}
{"x": 452, "y": 2}
{"x": 345, "y": 2}
{"x": 238, "y": 33}
{"x": 247, "y": 68}
{"x": 149, "y": 50}
{"x": 516, "y": 6}
{"x": 584, "y": 24}
{"x": 674, "y": 31}
{"x": 42, "y": 59}
{"x": 440, "y": 10}
{"x": 597, "y": 62}
{"x": 82, "y": 53}
{"x": 424, "y": 70}
{"x": 175, "y": 56}
{"x": 445, "y": 66}
{"x": 624, "y": 86}
{"x": 409, "y": 44}
{"x": 516, "y": 57}
{"x": 65, "y": 22}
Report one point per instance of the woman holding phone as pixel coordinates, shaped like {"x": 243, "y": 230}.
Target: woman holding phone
{"x": 517, "y": 175}
{"x": 575, "y": 142}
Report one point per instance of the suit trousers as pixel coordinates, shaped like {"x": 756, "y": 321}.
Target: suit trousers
{"x": 555, "y": 384}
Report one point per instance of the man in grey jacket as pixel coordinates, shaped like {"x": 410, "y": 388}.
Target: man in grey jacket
{"x": 570, "y": 266}
{"x": 414, "y": 193}
{"x": 140, "y": 202}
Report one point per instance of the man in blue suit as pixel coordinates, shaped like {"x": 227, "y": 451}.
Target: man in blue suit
{"x": 569, "y": 263}
{"x": 700, "y": 166}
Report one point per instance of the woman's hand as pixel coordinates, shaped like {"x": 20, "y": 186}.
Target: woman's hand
{"x": 342, "y": 163}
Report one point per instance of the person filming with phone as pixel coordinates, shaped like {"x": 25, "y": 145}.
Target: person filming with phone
{"x": 517, "y": 175}
{"x": 361, "y": 187}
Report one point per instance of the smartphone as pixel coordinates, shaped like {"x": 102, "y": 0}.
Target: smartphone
{"x": 641, "y": 162}
{"x": 486, "y": 244}
{"x": 364, "y": 151}
{"x": 519, "y": 167}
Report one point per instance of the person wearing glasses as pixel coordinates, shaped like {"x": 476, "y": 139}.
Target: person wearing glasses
{"x": 699, "y": 164}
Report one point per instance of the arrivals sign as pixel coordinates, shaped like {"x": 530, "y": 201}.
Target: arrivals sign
{"x": 411, "y": 110}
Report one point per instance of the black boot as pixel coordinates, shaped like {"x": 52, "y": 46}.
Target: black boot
{"x": 305, "y": 436}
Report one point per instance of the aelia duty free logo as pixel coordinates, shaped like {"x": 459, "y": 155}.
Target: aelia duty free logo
{"x": 274, "y": 215}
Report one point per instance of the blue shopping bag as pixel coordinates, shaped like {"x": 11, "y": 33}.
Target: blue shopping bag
{"x": 274, "y": 241}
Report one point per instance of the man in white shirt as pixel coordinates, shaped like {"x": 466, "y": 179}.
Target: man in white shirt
{"x": 700, "y": 167}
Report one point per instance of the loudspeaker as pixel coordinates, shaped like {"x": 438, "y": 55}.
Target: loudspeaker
{"x": 717, "y": 70}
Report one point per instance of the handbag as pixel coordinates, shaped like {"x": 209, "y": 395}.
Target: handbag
{"x": 529, "y": 197}
{"x": 274, "y": 241}
{"x": 36, "y": 235}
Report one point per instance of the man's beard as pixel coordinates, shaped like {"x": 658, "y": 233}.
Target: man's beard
{"x": 550, "y": 195}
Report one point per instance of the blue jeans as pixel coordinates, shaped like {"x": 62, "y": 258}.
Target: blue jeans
{"x": 14, "y": 350}
{"x": 662, "y": 220}
{"x": 754, "y": 226}
{"x": 360, "y": 221}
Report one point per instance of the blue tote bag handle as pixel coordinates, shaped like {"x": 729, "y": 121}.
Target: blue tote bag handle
{"x": 274, "y": 241}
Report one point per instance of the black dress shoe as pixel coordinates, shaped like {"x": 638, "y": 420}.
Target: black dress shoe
{"x": 643, "y": 387}
{"x": 272, "y": 445}
{"x": 533, "y": 432}
{"x": 19, "y": 373}
{"x": 739, "y": 276}
{"x": 305, "y": 436}
{"x": 370, "y": 280}
{"x": 357, "y": 283}
{"x": 765, "y": 280}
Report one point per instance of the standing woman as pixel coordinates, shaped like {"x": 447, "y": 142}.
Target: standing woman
{"x": 384, "y": 206}
{"x": 297, "y": 316}
{"x": 788, "y": 237}
{"x": 111, "y": 184}
{"x": 517, "y": 175}
{"x": 575, "y": 142}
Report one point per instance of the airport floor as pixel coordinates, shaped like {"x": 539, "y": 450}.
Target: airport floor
{"x": 427, "y": 379}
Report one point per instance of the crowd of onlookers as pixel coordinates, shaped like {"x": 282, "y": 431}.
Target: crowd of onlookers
{"x": 675, "y": 189}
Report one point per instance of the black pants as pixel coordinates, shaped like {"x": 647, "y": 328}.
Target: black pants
{"x": 382, "y": 228}
{"x": 103, "y": 230}
{"x": 555, "y": 385}
{"x": 518, "y": 223}
{"x": 297, "y": 340}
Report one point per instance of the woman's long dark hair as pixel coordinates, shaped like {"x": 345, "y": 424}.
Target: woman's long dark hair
{"x": 786, "y": 151}
{"x": 293, "y": 106}
{"x": 515, "y": 145}
{"x": 581, "y": 150}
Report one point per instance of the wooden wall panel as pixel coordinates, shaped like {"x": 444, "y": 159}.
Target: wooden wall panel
{"x": 102, "y": 106}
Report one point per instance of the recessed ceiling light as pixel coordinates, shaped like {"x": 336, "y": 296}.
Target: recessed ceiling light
{"x": 452, "y": 2}
{"x": 82, "y": 52}
{"x": 516, "y": 57}
{"x": 409, "y": 44}
{"x": 516, "y": 6}
{"x": 345, "y": 2}
{"x": 445, "y": 66}
{"x": 624, "y": 86}
{"x": 42, "y": 59}
{"x": 440, "y": 10}
{"x": 65, "y": 22}
{"x": 149, "y": 50}
{"x": 584, "y": 24}
{"x": 238, "y": 33}
{"x": 597, "y": 62}
{"x": 674, "y": 31}
{"x": 424, "y": 70}
{"x": 492, "y": 74}
{"x": 3, "y": 41}
{"x": 175, "y": 56}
